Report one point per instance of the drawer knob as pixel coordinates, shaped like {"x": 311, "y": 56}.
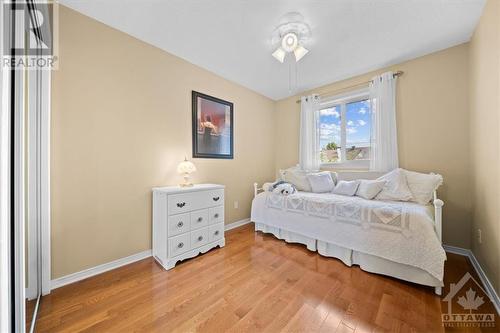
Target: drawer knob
{"x": 180, "y": 224}
{"x": 181, "y": 204}
{"x": 216, "y": 198}
{"x": 216, "y": 232}
{"x": 181, "y": 244}
{"x": 200, "y": 238}
{"x": 216, "y": 215}
{"x": 200, "y": 219}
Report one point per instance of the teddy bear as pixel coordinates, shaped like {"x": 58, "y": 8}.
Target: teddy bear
{"x": 283, "y": 188}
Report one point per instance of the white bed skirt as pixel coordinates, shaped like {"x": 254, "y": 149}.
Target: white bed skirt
{"x": 366, "y": 262}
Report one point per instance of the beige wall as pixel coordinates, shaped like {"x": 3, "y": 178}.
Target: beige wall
{"x": 121, "y": 122}
{"x": 433, "y": 129}
{"x": 485, "y": 139}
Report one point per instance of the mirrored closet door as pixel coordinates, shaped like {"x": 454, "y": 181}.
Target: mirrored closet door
{"x": 29, "y": 120}
{"x": 37, "y": 192}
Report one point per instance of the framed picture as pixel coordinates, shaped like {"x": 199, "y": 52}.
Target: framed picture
{"x": 212, "y": 127}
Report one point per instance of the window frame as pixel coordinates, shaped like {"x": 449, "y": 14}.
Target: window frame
{"x": 340, "y": 101}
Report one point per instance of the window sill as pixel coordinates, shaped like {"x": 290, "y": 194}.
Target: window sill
{"x": 359, "y": 165}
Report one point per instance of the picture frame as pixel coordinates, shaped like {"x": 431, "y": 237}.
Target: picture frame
{"x": 212, "y": 127}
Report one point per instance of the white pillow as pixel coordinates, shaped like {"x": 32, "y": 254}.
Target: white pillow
{"x": 422, "y": 186}
{"x": 296, "y": 177}
{"x": 346, "y": 188}
{"x": 368, "y": 189}
{"x": 321, "y": 182}
{"x": 396, "y": 187}
{"x": 335, "y": 177}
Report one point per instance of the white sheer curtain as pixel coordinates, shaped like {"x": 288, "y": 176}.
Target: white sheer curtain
{"x": 384, "y": 145}
{"x": 309, "y": 133}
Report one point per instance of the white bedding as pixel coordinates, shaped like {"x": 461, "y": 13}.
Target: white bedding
{"x": 402, "y": 232}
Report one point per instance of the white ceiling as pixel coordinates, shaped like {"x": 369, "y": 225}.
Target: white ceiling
{"x": 232, "y": 37}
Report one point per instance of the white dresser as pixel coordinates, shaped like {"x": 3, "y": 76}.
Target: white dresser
{"x": 187, "y": 221}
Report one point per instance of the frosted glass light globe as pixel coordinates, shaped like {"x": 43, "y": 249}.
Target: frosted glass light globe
{"x": 289, "y": 42}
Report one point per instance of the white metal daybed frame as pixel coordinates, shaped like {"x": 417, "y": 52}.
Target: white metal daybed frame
{"x": 438, "y": 205}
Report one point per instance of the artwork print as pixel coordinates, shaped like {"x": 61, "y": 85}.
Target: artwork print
{"x": 212, "y": 127}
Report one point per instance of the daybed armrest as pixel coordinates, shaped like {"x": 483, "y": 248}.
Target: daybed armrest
{"x": 438, "y": 215}
{"x": 257, "y": 189}
{"x": 438, "y": 225}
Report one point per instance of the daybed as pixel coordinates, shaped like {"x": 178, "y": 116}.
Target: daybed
{"x": 394, "y": 238}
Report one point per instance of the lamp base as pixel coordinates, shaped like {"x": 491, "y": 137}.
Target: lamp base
{"x": 186, "y": 181}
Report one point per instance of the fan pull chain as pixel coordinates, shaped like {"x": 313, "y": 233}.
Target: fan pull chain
{"x": 289, "y": 77}
{"x": 296, "y": 75}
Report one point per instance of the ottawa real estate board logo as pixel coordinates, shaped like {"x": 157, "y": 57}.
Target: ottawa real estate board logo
{"x": 466, "y": 302}
{"x": 29, "y": 34}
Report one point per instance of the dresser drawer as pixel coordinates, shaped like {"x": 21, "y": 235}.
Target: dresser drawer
{"x": 215, "y": 232}
{"x": 185, "y": 202}
{"x": 215, "y": 198}
{"x": 199, "y": 237}
{"x": 199, "y": 219}
{"x": 179, "y": 244}
{"x": 216, "y": 215}
{"x": 178, "y": 224}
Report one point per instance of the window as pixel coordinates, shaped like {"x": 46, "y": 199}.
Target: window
{"x": 345, "y": 131}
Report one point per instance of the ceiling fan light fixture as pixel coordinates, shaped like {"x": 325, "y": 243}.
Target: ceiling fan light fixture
{"x": 300, "y": 52}
{"x": 290, "y": 36}
{"x": 279, "y": 54}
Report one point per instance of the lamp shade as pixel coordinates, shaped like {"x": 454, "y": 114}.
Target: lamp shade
{"x": 186, "y": 167}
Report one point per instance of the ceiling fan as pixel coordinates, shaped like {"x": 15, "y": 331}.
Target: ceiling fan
{"x": 290, "y": 36}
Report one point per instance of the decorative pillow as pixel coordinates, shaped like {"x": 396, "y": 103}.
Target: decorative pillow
{"x": 321, "y": 182}
{"x": 368, "y": 189}
{"x": 348, "y": 188}
{"x": 422, "y": 186}
{"x": 296, "y": 177}
{"x": 396, "y": 187}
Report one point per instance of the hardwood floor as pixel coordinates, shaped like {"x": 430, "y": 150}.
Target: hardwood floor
{"x": 255, "y": 283}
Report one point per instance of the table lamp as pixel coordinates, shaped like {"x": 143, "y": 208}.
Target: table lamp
{"x": 185, "y": 168}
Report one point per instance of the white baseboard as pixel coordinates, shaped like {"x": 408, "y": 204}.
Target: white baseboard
{"x": 236, "y": 224}
{"x": 479, "y": 270}
{"x": 457, "y": 250}
{"x": 86, "y": 273}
